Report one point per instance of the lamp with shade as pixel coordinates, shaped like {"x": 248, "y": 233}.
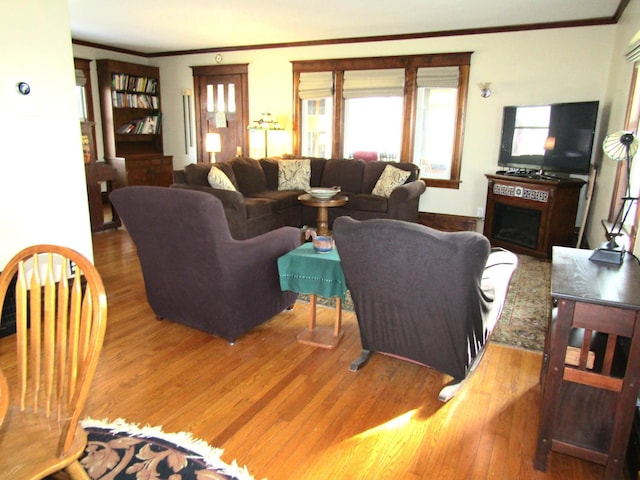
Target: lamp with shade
{"x": 620, "y": 146}
{"x": 265, "y": 124}
{"x": 213, "y": 145}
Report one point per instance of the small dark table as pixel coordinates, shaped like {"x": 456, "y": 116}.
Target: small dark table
{"x": 591, "y": 366}
{"x": 323, "y": 213}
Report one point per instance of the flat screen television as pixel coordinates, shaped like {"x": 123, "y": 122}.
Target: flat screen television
{"x": 548, "y": 138}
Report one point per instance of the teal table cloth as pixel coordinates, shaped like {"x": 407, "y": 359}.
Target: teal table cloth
{"x": 303, "y": 270}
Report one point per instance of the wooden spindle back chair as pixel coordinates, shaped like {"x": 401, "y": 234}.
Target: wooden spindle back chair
{"x": 61, "y": 316}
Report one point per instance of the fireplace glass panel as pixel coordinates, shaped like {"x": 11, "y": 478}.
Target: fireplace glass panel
{"x": 516, "y": 225}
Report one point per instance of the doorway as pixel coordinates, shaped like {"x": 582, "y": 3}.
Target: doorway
{"x": 222, "y": 107}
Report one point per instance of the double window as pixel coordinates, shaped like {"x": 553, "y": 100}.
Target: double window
{"x": 407, "y": 108}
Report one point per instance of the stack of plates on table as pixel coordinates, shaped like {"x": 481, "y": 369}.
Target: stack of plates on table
{"x": 323, "y": 192}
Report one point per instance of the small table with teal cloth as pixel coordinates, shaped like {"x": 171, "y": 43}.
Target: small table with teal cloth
{"x": 303, "y": 270}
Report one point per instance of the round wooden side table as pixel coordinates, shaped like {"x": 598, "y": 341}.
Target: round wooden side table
{"x": 323, "y": 205}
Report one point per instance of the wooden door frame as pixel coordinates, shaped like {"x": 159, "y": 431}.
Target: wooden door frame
{"x": 241, "y": 69}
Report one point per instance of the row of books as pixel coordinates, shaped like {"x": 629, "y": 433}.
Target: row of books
{"x": 123, "y": 81}
{"x": 134, "y": 100}
{"x": 146, "y": 125}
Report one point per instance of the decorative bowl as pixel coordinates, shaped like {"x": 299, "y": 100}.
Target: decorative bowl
{"x": 323, "y": 192}
{"x": 323, "y": 244}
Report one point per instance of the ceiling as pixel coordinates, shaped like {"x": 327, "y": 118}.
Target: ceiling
{"x": 152, "y": 26}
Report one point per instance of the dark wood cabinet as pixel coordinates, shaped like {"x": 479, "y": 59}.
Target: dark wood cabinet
{"x": 132, "y": 123}
{"x": 591, "y": 365}
{"x": 144, "y": 170}
{"x": 531, "y": 215}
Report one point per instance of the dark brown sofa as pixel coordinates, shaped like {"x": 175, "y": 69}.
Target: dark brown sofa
{"x": 258, "y": 206}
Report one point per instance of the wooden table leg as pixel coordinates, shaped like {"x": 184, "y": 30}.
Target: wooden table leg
{"x": 322, "y": 336}
{"x": 322, "y": 224}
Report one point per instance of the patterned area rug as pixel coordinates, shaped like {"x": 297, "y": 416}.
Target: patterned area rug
{"x": 523, "y": 322}
{"x": 524, "y": 317}
{"x": 123, "y": 451}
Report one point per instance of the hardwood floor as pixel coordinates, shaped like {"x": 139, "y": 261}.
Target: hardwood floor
{"x": 290, "y": 411}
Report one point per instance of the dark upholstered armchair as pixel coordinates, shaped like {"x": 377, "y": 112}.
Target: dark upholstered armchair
{"x": 423, "y": 295}
{"x": 194, "y": 272}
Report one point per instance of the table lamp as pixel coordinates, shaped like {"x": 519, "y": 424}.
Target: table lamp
{"x": 620, "y": 146}
{"x": 212, "y": 144}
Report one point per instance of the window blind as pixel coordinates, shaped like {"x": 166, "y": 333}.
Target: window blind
{"x": 373, "y": 83}
{"x": 433, "y": 77}
{"x": 633, "y": 50}
{"x": 315, "y": 85}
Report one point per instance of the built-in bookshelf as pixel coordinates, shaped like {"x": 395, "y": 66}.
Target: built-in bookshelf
{"x": 132, "y": 122}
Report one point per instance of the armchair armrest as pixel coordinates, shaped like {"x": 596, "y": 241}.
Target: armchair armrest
{"x": 403, "y": 201}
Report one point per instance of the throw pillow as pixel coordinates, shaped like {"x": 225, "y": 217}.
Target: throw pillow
{"x": 217, "y": 179}
{"x": 294, "y": 174}
{"x": 391, "y": 178}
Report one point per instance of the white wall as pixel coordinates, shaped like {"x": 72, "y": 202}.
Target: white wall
{"x": 534, "y": 67}
{"x": 43, "y": 195}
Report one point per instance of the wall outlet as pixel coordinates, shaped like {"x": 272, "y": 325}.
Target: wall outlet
{"x": 480, "y": 212}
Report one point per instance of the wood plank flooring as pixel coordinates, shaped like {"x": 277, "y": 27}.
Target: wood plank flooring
{"x": 291, "y": 411}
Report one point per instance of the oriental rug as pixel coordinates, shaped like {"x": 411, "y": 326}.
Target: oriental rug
{"x": 526, "y": 311}
{"x": 123, "y": 451}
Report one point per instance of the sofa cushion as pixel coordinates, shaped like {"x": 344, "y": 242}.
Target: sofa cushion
{"x": 367, "y": 202}
{"x": 391, "y": 178}
{"x": 282, "y": 198}
{"x": 294, "y": 174}
{"x": 197, "y": 173}
{"x": 259, "y": 207}
{"x": 270, "y": 169}
{"x": 347, "y": 174}
{"x": 227, "y": 169}
{"x": 217, "y": 179}
{"x": 249, "y": 175}
{"x": 317, "y": 168}
{"x": 373, "y": 170}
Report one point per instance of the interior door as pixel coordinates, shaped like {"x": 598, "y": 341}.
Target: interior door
{"x": 222, "y": 106}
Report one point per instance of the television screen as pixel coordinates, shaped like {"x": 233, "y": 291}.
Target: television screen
{"x": 549, "y": 138}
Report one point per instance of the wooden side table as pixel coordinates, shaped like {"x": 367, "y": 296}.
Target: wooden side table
{"x": 303, "y": 270}
{"x": 323, "y": 213}
{"x": 591, "y": 366}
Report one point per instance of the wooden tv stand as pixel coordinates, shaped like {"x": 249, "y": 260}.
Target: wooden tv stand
{"x": 529, "y": 215}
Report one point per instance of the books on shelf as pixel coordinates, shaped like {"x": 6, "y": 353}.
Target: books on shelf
{"x": 147, "y": 125}
{"x": 134, "y": 100}
{"x": 131, "y": 83}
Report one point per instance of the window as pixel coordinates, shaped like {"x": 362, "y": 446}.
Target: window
{"x": 627, "y": 183}
{"x": 436, "y": 106}
{"x": 406, "y": 108}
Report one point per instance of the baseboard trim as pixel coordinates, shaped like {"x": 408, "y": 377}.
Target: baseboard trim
{"x": 448, "y": 223}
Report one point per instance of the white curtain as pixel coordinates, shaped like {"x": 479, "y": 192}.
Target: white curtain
{"x": 373, "y": 83}
{"x": 315, "y": 85}
{"x": 433, "y": 77}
